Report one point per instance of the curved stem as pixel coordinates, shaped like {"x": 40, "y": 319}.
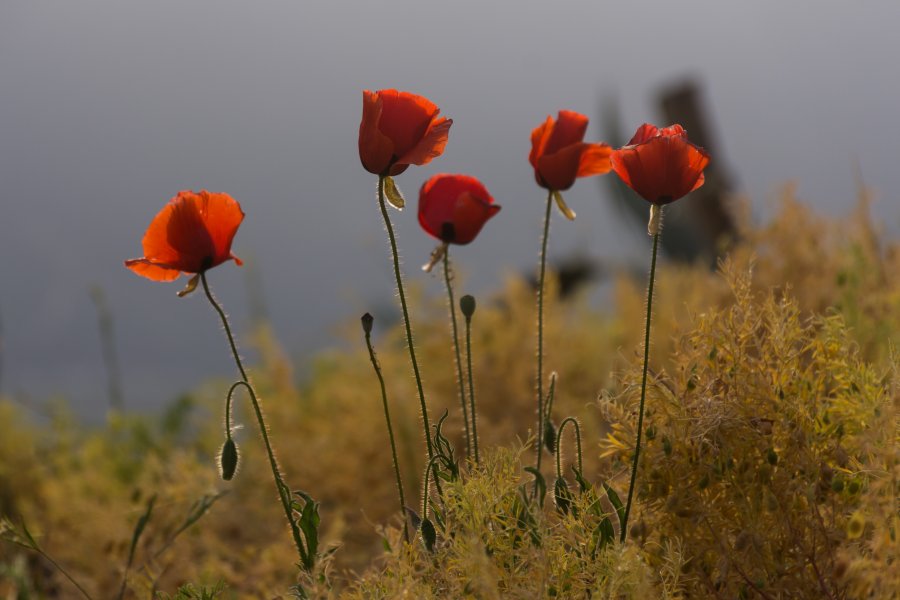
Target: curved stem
{"x": 472, "y": 389}
{"x": 65, "y": 573}
{"x": 229, "y": 403}
{"x": 431, "y": 467}
{"x": 540, "y": 334}
{"x": 640, "y": 424}
{"x": 409, "y": 336}
{"x": 459, "y": 371}
{"x": 562, "y": 428}
{"x": 284, "y": 492}
{"x": 387, "y": 417}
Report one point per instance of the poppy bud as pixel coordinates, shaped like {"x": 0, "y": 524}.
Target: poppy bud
{"x": 467, "y": 306}
{"x": 228, "y": 459}
{"x": 367, "y": 321}
{"x": 550, "y": 436}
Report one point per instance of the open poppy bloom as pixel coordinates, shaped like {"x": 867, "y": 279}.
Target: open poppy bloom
{"x": 559, "y": 155}
{"x": 399, "y": 129}
{"x": 661, "y": 165}
{"x": 191, "y": 234}
{"x": 454, "y": 208}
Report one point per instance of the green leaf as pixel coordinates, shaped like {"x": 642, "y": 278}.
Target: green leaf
{"x": 616, "y": 502}
{"x": 582, "y": 483}
{"x": 139, "y": 528}
{"x": 562, "y": 495}
{"x": 309, "y": 525}
{"x": 603, "y": 534}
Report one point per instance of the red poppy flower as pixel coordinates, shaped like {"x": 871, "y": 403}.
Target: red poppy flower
{"x": 661, "y": 165}
{"x": 454, "y": 208}
{"x": 559, "y": 155}
{"x": 399, "y": 129}
{"x": 191, "y": 234}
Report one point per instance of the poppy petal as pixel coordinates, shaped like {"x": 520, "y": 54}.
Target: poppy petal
{"x": 560, "y": 169}
{"x": 469, "y": 216}
{"x": 430, "y": 146}
{"x": 539, "y": 137}
{"x": 594, "y": 160}
{"x": 151, "y": 270}
{"x": 222, "y": 216}
{"x": 375, "y": 148}
{"x": 644, "y": 133}
{"x": 405, "y": 119}
{"x": 700, "y": 181}
{"x": 569, "y": 129}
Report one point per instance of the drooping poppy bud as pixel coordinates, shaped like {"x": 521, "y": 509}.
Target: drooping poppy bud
{"x": 191, "y": 234}
{"x": 454, "y": 208}
{"x": 559, "y": 155}
{"x": 399, "y": 129}
{"x": 661, "y": 165}
{"x": 228, "y": 459}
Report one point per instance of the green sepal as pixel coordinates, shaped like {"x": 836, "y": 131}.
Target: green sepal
{"x": 562, "y": 206}
{"x": 392, "y": 193}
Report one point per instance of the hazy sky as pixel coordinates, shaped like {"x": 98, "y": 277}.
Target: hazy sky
{"x": 108, "y": 108}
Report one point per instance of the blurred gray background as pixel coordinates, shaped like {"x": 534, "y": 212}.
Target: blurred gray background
{"x": 108, "y": 108}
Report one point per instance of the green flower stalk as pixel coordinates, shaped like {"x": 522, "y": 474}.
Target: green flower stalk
{"x": 367, "y": 321}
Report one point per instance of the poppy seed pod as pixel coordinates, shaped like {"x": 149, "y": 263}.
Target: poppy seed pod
{"x": 228, "y": 459}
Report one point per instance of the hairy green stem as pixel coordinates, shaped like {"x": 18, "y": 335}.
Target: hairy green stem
{"x": 431, "y": 467}
{"x": 387, "y": 417}
{"x": 540, "y": 336}
{"x": 284, "y": 492}
{"x": 640, "y": 424}
{"x": 409, "y": 336}
{"x": 65, "y": 573}
{"x": 459, "y": 371}
{"x": 562, "y": 427}
{"x": 472, "y": 388}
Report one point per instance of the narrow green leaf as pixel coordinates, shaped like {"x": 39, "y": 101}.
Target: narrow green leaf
{"x": 616, "y": 502}
{"x": 562, "y": 495}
